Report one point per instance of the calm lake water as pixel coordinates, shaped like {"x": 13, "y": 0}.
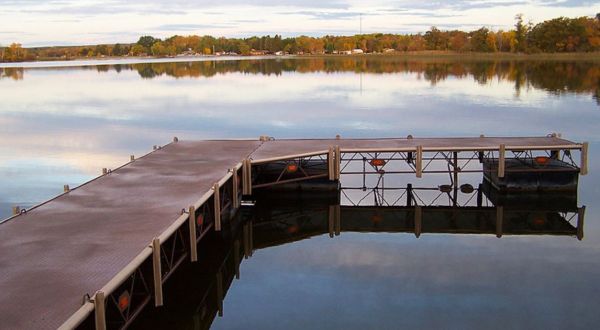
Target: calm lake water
{"x": 61, "y": 125}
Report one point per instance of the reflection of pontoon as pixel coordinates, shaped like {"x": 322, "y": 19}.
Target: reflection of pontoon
{"x": 291, "y": 216}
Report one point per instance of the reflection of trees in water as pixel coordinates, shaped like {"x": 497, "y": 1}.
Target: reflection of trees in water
{"x": 565, "y": 77}
{"x": 556, "y": 77}
{"x": 12, "y": 73}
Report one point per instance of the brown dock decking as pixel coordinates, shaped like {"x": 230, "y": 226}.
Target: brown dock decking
{"x": 92, "y": 237}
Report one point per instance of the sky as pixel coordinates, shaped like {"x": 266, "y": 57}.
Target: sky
{"x": 76, "y": 22}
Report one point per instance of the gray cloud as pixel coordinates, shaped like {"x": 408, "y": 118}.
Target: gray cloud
{"x": 248, "y": 20}
{"x": 470, "y": 4}
{"x": 325, "y": 15}
{"x": 418, "y": 13}
{"x": 95, "y": 10}
{"x": 191, "y": 27}
{"x": 158, "y": 6}
{"x": 568, "y": 3}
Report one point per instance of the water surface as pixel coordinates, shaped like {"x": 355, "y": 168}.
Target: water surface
{"x": 62, "y": 125}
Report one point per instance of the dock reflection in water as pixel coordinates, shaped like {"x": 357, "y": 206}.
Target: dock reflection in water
{"x": 196, "y": 295}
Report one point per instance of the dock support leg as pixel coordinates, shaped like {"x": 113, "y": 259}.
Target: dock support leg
{"x": 236, "y": 257}
{"x": 100, "y": 308}
{"x": 409, "y": 195}
{"x": 501, "y": 160}
{"x": 217, "y": 206}
{"x": 419, "y": 162}
{"x": 234, "y": 191}
{"x": 499, "y": 220}
{"x": 246, "y": 233}
{"x": 584, "y": 158}
{"x": 338, "y": 162}
{"x": 455, "y": 179}
{"x": 331, "y": 220}
{"x": 337, "y": 221}
{"x": 418, "y": 221}
{"x": 247, "y": 177}
{"x": 158, "y": 296}
{"x": 193, "y": 243}
{"x": 220, "y": 293}
{"x": 251, "y": 237}
{"x": 580, "y": 217}
{"x": 330, "y": 164}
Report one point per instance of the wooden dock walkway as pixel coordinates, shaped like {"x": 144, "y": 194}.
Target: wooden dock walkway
{"x": 103, "y": 249}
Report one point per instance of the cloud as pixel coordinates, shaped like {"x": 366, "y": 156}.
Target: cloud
{"x": 191, "y": 27}
{"x": 321, "y": 15}
{"x": 89, "y": 10}
{"x": 412, "y": 12}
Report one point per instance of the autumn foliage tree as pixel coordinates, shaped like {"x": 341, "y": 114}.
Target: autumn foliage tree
{"x": 15, "y": 53}
{"x": 565, "y": 35}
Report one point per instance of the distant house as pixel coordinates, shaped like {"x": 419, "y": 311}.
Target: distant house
{"x": 188, "y": 52}
{"x": 346, "y": 52}
{"x": 388, "y": 50}
{"x": 255, "y": 52}
{"x": 357, "y": 51}
{"x": 279, "y": 53}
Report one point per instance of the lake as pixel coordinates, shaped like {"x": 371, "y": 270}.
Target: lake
{"x": 63, "y": 124}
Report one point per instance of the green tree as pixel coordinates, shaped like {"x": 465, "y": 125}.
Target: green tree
{"x": 479, "y": 40}
{"x": 158, "y": 49}
{"x": 147, "y": 42}
{"x": 244, "y": 49}
{"x": 117, "y": 50}
{"x": 562, "y": 35}
{"x": 137, "y": 50}
{"x": 435, "y": 39}
{"x": 101, "y": 50}
{"x": 521, "y": 30}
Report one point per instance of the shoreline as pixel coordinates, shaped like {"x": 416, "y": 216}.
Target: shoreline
{"x": 420, "y": 55}
{"x": 591, "y": 56}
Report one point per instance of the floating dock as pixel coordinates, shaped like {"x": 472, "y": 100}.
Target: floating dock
{"x": 101, "y": 251}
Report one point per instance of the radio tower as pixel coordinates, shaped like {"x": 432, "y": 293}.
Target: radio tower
{"x": 360, "y": 18}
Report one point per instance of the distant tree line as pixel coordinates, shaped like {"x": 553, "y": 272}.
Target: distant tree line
{"x": 581, "y": 34}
